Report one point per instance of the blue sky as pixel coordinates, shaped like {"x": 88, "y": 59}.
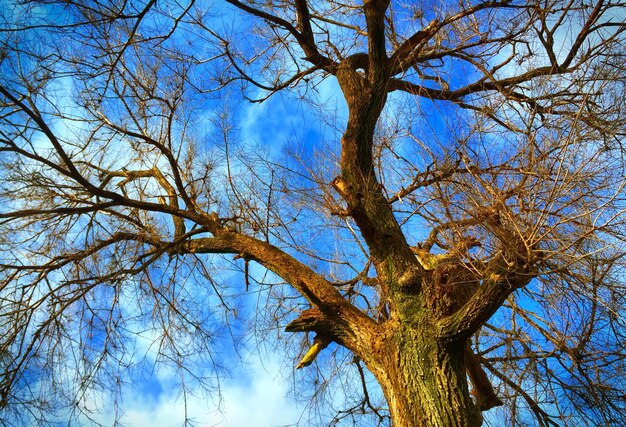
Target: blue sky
{"x": 259, "y": 387}
{"x": 257, "y": 395}
{"x": 256, "y": 391}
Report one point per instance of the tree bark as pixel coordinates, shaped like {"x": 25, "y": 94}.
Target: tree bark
{"x": 423, "y": 379}
{"x": 422, "y": 376}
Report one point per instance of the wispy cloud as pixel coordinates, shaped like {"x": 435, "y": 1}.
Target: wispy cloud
{"x": 258, "y": 396}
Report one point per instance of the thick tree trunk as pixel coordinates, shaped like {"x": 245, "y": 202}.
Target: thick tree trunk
{"x": 423, "y": 377}
{"x": 424, "y": 381}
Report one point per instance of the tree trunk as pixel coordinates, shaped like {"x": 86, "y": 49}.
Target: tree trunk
{"x": 424, "y": 381}
{"x": 423, "y": 378}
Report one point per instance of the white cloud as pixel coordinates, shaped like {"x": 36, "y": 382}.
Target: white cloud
{"x": 263, "y": 402}
{"x": 256, "y": 397}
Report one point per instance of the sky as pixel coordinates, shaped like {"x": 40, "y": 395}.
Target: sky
{"x": 259, "y": 391}
{"x": 256, "y": 396}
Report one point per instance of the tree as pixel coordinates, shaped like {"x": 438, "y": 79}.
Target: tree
{"x": 460, "y": 234}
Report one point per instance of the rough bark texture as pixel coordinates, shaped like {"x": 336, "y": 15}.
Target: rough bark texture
{"x": 424, "y": 307}
{"x": 423, "y": 380}
{"x": 419, "y": 352}
{"x": 423, "y": 376}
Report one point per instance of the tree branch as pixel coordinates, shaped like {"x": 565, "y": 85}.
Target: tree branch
{"x": 488, "y": 298}
{"x": 378, "y": 61}
{"x": 305, "y": 40}
{"x": 404, "y": 51}
{"x": 320, "y": 292}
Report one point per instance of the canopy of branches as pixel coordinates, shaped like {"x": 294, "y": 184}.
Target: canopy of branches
{"x": 199, "y": 174}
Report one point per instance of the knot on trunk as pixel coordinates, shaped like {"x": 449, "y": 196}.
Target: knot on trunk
{"x": 450, "y": 284}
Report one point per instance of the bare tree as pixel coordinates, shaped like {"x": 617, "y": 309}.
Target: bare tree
{"x": 459, "y": 237}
